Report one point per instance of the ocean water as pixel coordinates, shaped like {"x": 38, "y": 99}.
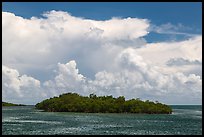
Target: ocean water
{"x": 25, "y": 120}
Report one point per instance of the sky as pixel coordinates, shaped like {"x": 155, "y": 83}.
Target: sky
{"x": 146, "y": 50}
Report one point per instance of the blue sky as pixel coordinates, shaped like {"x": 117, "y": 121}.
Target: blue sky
{"x": 149, "y": 50}
{"x": 186, "y": 13}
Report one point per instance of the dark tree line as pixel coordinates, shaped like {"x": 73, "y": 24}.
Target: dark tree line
{"x": 6, "y": 104}
{"x": 73, "y": 102}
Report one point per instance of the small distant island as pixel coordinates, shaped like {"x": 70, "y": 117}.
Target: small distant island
{"x": 6, "y": 104}
{"x": 73, "y": 102}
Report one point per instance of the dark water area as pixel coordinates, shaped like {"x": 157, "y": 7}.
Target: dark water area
{"x": 25, "y": 120}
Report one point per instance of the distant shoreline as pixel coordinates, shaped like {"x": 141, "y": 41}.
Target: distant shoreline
{"x": 6, "y": 104}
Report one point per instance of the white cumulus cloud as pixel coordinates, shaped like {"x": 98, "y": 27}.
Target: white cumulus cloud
{"x": 44, "y": 57}
{"x": 20, "y": 88}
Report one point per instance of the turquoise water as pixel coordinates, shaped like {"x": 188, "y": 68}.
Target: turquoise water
{"x": 22, "y": 120}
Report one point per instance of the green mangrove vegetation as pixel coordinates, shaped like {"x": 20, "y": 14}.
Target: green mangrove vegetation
{"x": 6, "y": 104}
{"x": 73, "y": 102}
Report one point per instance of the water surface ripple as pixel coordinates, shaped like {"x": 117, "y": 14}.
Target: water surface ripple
{"x": 25, "y": 120}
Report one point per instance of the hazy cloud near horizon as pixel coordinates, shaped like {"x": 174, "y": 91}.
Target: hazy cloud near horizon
{"x": 59, "y": 53}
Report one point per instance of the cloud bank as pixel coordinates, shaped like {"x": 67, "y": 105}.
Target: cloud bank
{"x": 59, "y": 53}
